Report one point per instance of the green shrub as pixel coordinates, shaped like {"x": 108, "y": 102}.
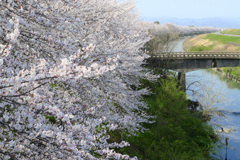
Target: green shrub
{"x": 233, "y": 71}
{"x": 176, "y": 134}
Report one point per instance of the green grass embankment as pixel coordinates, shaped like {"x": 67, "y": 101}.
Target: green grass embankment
{"x": 200, "y": 48}
{"x": 211, "y": 42}
{"x": 231, "y": 31}
{"x": 222, "y": 39}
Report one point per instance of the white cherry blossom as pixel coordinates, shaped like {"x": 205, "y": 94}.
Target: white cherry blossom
{"x": 66, "y": 73}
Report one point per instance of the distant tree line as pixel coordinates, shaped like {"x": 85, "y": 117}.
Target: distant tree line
{"x": 157, "y": 29}
{"x": 163, "y": 36}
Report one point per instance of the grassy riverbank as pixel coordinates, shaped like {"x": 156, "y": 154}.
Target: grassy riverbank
{"x": 231, "y": 31}
{"x": 211, "y": 42}
{"x": 216, "y": 42}
{"x": 234, "y": 72}
{"x": 177, "y": 132}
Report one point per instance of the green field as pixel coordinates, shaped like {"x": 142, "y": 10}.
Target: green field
{"x": 231, "y": 31}
{"x": 222, "y": 38}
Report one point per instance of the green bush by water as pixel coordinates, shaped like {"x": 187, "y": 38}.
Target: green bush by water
{"x": 176, "y": 134}
{"x": 233, "y": 71}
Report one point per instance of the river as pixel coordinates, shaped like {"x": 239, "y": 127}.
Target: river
{"x": 225, "y": 94}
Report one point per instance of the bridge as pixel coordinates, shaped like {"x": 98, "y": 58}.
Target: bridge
{"x": 188, "y": 61}
{"x": 193, "y": 60}
{"x": 198, "y": 55}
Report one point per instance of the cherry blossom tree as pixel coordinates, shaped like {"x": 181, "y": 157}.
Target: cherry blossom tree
{"x": 158, "y": 30}
{"x": 66, "y": 73}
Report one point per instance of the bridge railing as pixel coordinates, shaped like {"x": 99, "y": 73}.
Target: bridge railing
{"x": 197, "y": 55}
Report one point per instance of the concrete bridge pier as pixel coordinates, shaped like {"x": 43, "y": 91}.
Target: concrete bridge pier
{"x": 182, "y": 80}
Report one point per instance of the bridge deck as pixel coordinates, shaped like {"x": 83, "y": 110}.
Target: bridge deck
{"x": 197, "y": 55}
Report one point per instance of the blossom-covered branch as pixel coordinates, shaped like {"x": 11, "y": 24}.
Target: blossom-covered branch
{"x": 66, "y": 71}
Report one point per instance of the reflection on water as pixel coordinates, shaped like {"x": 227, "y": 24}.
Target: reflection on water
{"x": 230, "y": 84}
{"x": 230, "y": 113}
{"x": 235, "y": 113}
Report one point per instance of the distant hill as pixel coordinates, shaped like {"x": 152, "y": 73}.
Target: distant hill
{"x": 213, "y": 22}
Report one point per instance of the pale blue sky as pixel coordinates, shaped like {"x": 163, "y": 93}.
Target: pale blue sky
{"x": 189, "y": 8}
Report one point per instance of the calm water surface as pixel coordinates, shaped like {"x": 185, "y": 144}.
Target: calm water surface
{"x": 227, "y": 101}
